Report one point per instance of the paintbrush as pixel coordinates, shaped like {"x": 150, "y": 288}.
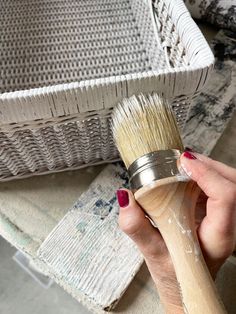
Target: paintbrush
{"x": 149, "y": 142}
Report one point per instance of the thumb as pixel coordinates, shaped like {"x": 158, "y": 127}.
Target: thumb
{"x": 133, "y": 222}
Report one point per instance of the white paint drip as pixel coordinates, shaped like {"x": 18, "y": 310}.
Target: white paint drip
{"x": 182, "y": 177}
{"x": 194, "y": 249}
{"x": 189, "y": 250}
{"x": 178, "y": 223}
{"x": 185, "y": 309}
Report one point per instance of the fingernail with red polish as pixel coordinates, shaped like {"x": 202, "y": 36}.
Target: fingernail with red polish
{"x": 123, "y": 198}
{"x": 189, "y": 155}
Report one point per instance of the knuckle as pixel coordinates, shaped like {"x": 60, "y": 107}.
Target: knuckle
{"x": 210, "y": 181}
{"x": 229, "y": 192}
{"x": 129, "y": 225}
{"x": 227, "y": 249}
{"x": 204, "y": 176}
{"x": 225, "y": 233}
{"x": 227, "y": 252}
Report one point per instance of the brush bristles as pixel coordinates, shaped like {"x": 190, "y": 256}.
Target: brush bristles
{"x": 143, "y": 124}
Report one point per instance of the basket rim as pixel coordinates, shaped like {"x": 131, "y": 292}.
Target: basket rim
{"x": 100, "y": 81}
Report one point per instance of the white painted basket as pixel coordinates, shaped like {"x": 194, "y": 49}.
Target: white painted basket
{"x": 66, "y": 64}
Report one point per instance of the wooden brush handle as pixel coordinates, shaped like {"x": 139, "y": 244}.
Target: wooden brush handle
{"x": 171, "y": 205}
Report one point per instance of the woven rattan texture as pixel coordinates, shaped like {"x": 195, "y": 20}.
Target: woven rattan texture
{"x": 66, "y": 64}
{"x": 49, "y": 42}
{"x": 169, "y": 38}
{"x": 57, "y": 146}
{"x": 64, "y": 144}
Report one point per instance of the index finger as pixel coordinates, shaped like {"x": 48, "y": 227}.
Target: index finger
{"x": 226, "y": 171}
{"x": 209, "y": 180}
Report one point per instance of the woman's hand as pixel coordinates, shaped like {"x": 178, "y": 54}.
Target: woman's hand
{"x": 215, "y": 220}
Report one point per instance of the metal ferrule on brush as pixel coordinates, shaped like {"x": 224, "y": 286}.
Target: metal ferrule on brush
{"x": 155, "y": 166}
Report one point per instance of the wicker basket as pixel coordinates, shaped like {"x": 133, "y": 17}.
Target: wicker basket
{"x": 66, "y": 64}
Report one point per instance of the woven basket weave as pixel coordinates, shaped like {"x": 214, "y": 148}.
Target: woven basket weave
{"x": 66, "y": 64}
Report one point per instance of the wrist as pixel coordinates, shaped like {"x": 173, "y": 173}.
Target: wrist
{"x": 170, "y": 298}
{"x": 167, "y": 285}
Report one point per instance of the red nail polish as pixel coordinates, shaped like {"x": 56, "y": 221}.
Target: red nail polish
{"x": 123, "y": 198}
{"x": 189, "y": 155}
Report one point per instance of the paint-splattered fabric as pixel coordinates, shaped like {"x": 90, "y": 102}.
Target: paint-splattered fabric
{"x": 213, "y": 108}
{"x": 221, "y": 13}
